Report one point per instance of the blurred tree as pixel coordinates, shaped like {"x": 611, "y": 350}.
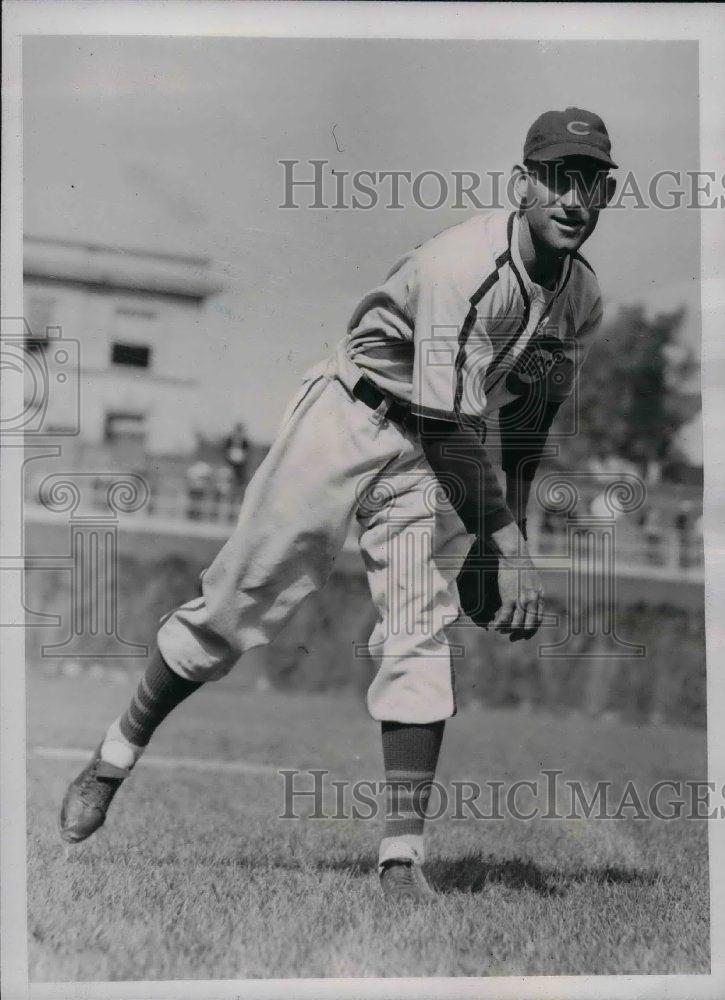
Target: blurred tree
{"x": 632, "y": 396}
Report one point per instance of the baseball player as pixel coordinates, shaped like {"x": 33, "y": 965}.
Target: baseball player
{"x": 494, "y": 314}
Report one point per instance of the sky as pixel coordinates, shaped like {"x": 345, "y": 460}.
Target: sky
{"x": 174, "y": 144}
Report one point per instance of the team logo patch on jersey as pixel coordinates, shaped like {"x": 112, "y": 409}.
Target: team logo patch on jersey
{"x": 543, "y": 366}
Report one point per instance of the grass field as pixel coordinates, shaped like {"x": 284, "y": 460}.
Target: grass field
{"x": 195, "y": 877}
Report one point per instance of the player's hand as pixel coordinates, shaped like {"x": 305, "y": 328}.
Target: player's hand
{"x": 519, "y": 584}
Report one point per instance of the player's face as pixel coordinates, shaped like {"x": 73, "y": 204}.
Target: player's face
{"x": 563, "y": 199}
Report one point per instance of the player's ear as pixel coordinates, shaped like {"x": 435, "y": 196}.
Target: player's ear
{"x": 609, "y": 189}
{"x": 520, "y": 184}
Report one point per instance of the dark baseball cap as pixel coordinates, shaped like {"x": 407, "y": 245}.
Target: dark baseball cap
{"x": 572, "y": 132}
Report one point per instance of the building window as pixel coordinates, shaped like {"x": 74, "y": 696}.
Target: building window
{"x": 136, "y": 312}
{"x": 134, "y": 334}
{"x": 135, "y": 355}
{"x": 39, "y": 313}
{"x": 124, "y": 426}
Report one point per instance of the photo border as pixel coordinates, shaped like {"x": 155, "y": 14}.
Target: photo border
{"x": 700, "y": 22}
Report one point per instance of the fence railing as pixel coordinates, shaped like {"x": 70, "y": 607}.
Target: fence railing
{"x": 668, "y": 551}
{"x": 183, "y": 507}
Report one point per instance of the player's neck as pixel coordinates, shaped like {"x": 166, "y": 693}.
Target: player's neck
{"x": 543, "y": 265}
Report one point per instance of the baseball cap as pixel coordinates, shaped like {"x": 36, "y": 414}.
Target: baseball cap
{"x": 572, "y": 132}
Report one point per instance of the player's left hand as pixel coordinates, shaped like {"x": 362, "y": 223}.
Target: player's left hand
{"x": 522, "y": 602}
{"x": 519, "y": 585}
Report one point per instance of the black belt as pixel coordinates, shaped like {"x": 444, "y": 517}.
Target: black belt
{"x": 367, "y": 392}
{"x": 398, "y": 411}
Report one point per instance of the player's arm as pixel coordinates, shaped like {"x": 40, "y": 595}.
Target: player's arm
{"x": 448, "y": 422}
{"x": 459, "y": 459}
{"x": 461, "y": 464}
{"x": 524, "y": 430}
{"x": 525, "y": 422}
{"x": 444, "y": 400}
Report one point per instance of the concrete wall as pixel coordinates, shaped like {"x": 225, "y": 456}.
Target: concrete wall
{"x": 323, "y": 647}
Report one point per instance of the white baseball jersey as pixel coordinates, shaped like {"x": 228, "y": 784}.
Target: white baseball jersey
{"x": 324, "y": 469}
{"x": 458, "y": 314}
{"x": 441, "y": 332}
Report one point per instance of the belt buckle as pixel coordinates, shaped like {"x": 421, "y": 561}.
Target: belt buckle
{"x": 379, "y": 415}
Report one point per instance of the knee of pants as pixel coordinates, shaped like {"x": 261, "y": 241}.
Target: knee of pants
{"x": 415, "y": 681}
{"x": 416, "y": 685}
{"x": 194, "y": 654}
{"x": 414, "y": 626}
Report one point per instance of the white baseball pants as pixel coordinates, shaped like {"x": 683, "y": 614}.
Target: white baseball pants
{"x": 334, "y": 459}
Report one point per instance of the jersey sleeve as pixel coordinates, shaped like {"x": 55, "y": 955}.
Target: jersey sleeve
{"x": 443, "y": 320}
{"x": 385, "y": 307}
{"x": 524, "y": 423}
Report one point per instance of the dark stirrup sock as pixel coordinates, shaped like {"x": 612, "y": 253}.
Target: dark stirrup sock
{"x": 410, "y": 755}
{"x": 159, "y": 691}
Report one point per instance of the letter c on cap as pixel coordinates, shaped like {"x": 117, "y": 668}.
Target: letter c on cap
{"x": 578, "y": 128}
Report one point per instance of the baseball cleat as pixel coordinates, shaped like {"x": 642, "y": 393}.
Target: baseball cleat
{"x": 405, "y": 880}
{"x": 88, "y": 797}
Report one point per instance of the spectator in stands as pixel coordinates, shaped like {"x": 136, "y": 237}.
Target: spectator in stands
{"x": 683, "y": 528}
{"x": 198, "y": 479}
{"x": 226, "y": 495}
{"x": 651, "y": 526}
{"x": 603, "y": 462}
{"x": 698, "y": 539}
{"x": 236, "y": 448}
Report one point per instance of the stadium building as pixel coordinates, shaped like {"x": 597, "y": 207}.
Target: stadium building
{"x": 130, "y": 323}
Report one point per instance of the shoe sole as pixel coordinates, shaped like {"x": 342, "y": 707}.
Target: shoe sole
{"x": 71, "y": 836}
